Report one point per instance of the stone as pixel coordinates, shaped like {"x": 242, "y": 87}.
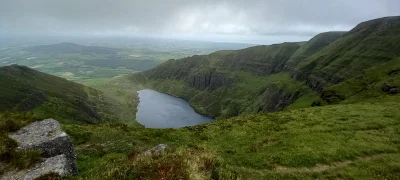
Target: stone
{"x": 393, "y": 91}
{"x": 48, "y": 136}
{"x": 156, "y": 149}
{"x": 57, "y": 164}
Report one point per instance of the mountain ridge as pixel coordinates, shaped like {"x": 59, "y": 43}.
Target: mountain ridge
{"x": 317, "y": 63}
{"x": 352, "y": 134}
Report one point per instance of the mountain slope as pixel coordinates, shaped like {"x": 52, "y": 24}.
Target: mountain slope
{"x": 370, "y": 43}
{"x": 374, "y": 82}
{"x": 228, "y": 83}
{"x": 25, "y": 89}
{"x": 311, "y": 47}
{"x": 357, "y": 136}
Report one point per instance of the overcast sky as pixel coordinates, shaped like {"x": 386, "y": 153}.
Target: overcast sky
{"x": 214, "y": 20}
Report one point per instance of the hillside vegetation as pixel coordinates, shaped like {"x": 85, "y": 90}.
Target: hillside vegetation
{"x": 354, "y": 141}
{"x": 256, "y": 80}
{"x": 370, "y": 43}
{"x": 25, "y": 89}
{"x": 337, "y": 96}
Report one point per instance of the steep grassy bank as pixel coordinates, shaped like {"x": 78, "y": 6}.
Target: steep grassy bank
{"x": 25, "y": 89}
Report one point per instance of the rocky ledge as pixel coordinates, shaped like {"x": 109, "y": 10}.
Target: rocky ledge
{"x": 55, "y": 144}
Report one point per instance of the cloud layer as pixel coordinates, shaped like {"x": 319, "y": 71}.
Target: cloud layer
{"x": 189, "y": 17}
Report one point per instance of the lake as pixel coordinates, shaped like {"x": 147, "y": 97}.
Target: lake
{"x": 160, "y": 110}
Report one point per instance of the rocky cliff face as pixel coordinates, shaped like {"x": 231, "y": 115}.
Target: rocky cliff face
{"x": 56, "y": 147}
{"x": 261, "y": 60}
{"x": 210, "y": 79}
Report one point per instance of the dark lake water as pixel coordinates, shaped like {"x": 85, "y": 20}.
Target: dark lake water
{"x": 159, "y": 110}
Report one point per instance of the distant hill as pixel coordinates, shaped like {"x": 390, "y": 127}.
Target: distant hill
{"x": 25, "y": 89}
{"x": 70, "y": 48}
{"x": 256, "y": 79}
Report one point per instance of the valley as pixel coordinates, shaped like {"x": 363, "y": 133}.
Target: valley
{"x": 105, "y": 58}
{"x": 327, "y": 108}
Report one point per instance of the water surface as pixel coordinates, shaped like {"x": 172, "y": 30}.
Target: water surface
{"x": 159, "y": 110}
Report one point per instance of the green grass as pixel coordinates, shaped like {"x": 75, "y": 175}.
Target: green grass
{"x": 121, "y": 92}
{"x": 365, "y": 86}
{"x": 311, "y": 47}
{"x": 351, "y": 141}
{"x": 336, "y": 141}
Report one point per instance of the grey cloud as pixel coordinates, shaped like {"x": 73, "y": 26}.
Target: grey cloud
{"x": 234, "y": 17}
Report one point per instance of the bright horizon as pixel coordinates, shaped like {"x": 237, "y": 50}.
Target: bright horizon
{"x": 239, "y": 21}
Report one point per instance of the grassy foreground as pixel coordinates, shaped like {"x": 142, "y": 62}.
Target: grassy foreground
{"x": 342, "y": 141}
{"x": 346, "y": 141}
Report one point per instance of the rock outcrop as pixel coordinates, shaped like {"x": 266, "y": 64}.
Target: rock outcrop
{"x": 212, "y": 80}
{"x": 55, "y": 144}
{"x": 154, "y": 150}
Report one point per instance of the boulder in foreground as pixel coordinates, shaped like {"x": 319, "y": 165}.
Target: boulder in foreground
{"x": 55, "y": 144}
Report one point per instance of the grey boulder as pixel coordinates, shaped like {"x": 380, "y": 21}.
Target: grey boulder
{"x": 55, "y": 144}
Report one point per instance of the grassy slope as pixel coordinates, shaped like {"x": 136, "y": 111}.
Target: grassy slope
{"x": 311, "y": 47}
{"x": 370, "y": 43}
{"x": 26, "y": 89}
{"x": 350, "y": 141}
{"x": 367, "y": 85}
{"x": 122, "y": 93}
{"x": 28, "y": 95}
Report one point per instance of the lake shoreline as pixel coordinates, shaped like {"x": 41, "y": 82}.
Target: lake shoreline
{"x": 162, "y": 110}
